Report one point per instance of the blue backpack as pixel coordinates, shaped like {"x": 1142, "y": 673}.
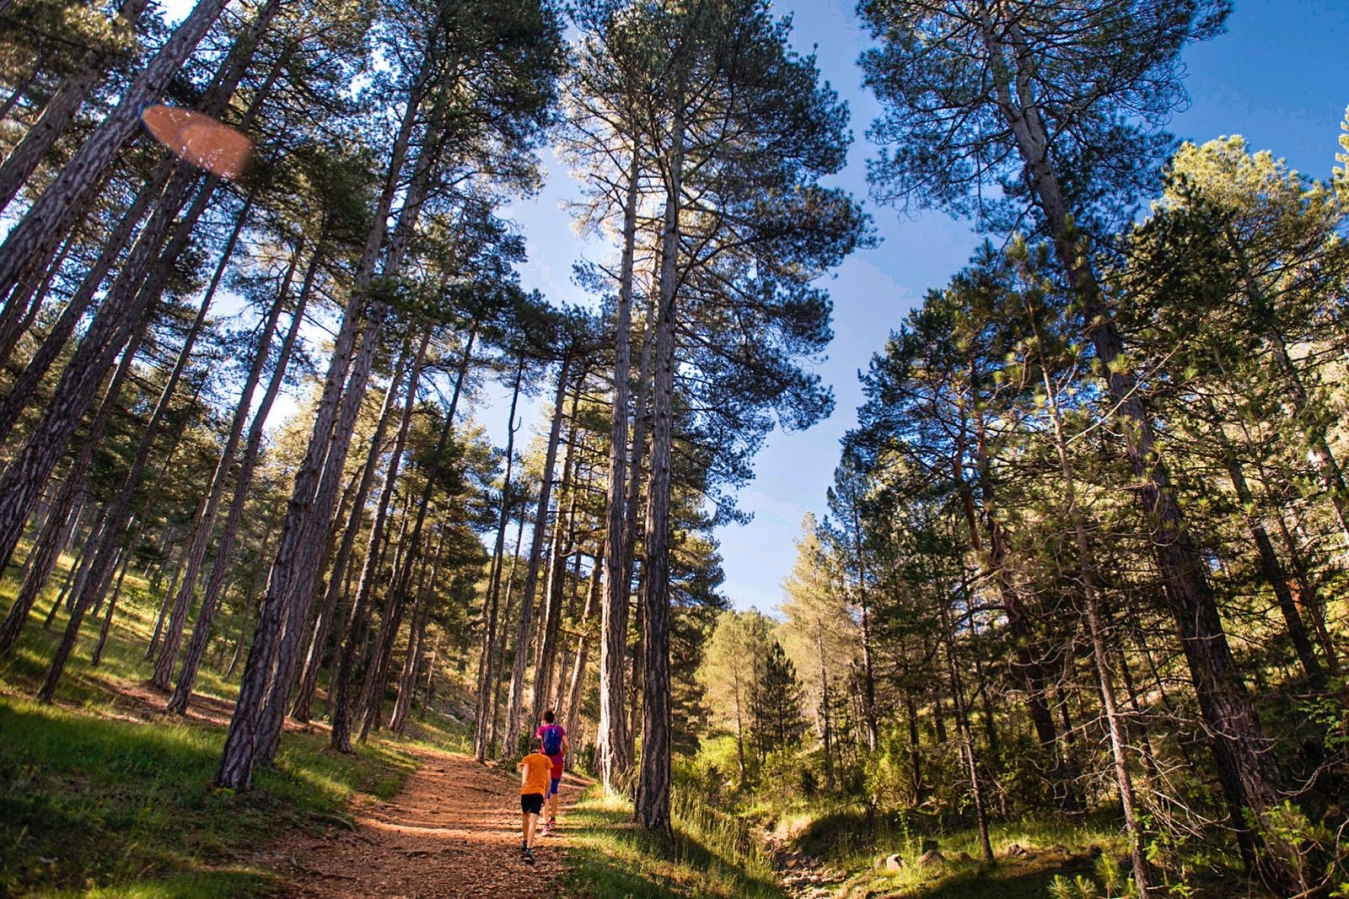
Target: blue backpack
{"x": 552, "y": 740}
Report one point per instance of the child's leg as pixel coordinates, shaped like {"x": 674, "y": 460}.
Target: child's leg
{"x": 531, "y": 820}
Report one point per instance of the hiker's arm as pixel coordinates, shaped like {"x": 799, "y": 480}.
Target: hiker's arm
{"x": 566, "y": 745}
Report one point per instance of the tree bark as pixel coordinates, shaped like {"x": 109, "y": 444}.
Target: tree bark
{"x": 50, "y": 214}
{"x": 49, "y": 544}
{"x": 611, "y": 738}
{"x": 23, "y": 160}
{"x": 545, "y": 660}
{"x": 491, "y": 602}
{"x": 318, "y": 644}
{"x": 204, "y": 526}
{"x": 522, "y": 637}
{"x": 1247, "y": 768}
{"x": 126, "y": 305}
{"x": 963, "y": 727}
{"x": 571, "y": 708}
{"x": 412, "y": 660}
{"x": 201, "y": 628}
{"x": 653, "y": 785}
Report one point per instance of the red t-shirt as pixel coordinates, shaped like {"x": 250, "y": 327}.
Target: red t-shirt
{"x": 561, "y": 734}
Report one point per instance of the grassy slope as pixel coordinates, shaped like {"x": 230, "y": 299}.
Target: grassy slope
{"x": 611, "y": 858}
{"x": 97, "y": 799}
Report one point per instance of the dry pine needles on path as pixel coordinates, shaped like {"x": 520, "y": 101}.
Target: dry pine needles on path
{"x": 452, "y": 833}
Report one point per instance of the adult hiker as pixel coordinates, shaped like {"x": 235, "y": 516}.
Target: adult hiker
{"x": 553, "y": 737}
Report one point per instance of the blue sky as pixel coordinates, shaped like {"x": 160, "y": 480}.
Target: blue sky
{"x": 1278, "y": 77}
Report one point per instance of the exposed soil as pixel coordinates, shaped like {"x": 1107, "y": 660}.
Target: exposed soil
{"x": 453, "y": 833}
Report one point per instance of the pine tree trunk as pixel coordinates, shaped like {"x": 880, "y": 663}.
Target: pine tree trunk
{"x": 23, "y": 160}
{"x": 1142, "y": 875}
{"x": 113, "y": 543}
{"x": 25, "y": 385}
{"x": 522, "y": 637}
{"x": 499, "y": 651}
{"x": 1247, "y": 769}
{"x": 966, "y": 736}
{"x": 611, "y": 739}
{"x": 636, "y": 470}
{"x": 204, "y": 526}
{"x": 488, "y": 654}
{"x": 545, "y": 660}
{"x": 50, "y": 214}
{"x": 49, "y": 544}
{"x": 357, "y": 623}
{"x": 112, "y": 607}
{"x": 653, "y": 785}
{"x": 570, "y": 710}
{"x": 25, "y": 303}
{"x": 1270, "y": 566}
{"x": 421, "y": 613}
{"x": 153, "y": 644}
{"x": 377, "y": 675}
{"x": 201, "y": 628}
{"x": 1307, "y": 596}
{"x": 309, "y": 680}
{"x": 241, "y": 744}
{"x": 311, "y": 542}
{"x": 124, "y": 309}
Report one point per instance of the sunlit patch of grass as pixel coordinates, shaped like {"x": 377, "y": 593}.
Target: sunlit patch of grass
{"x": 220, "y": 883}
{"x": 139, "y": 798}
{"x": 610, "y": 856}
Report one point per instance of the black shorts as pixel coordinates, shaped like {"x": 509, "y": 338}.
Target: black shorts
{"x": 531, "y": 803}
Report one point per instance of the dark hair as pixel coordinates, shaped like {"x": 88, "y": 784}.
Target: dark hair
{"x": 548, "y": 716}
{"x": 536, "y": 743}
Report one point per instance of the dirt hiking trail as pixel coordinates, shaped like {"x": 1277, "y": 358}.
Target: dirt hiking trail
{"x": 452, "y": 833}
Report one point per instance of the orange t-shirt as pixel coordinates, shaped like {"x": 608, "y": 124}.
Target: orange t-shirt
{"x": 537, "y": 768}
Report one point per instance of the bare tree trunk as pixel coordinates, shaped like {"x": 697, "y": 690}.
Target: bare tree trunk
{"x": 1307, "y": 596}
{"x": 653, "y": 785}
{"x": 204, "y": 526}
{"x": 612, "y": 739}
{"x": 522, "y": 637}
{"x": 19, "y": 314}
{"x": 23, "y": 160}
{"x": 48, "y": 546}
{"x": 494, "y": 722}
{"x": 112, "y": 605}
{"x": 571, "y": 708}
{"x": 50, "y": 214}
{"x": 1142, "y": 874}
{"x": 201, "y": 629}
{"x": 488, "y": 656}
{"x": 963, "y": 727}
{"x": 340, "y": 689}
{"x": 640, "y": 429}
{"x": 113, "y": 543}
{"x": 164, "y": 608}
{"x": 421, "y": 614}
{"x": 309, "y": 680}
{"x": 1270, "y": 566}
{"x": 545, "y": 660}
{"x": 1250, "y": 774}
{"x": 123, "y": 310}
{"x": 246, "y": 725}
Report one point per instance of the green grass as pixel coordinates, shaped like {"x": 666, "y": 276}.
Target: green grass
{"x": 99, "y": 799}
{"x": 610, "y": 857}
{"x": 106, "y": 807}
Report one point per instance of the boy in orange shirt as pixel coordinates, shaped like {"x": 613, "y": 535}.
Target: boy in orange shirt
{"x": 537, "y": 769}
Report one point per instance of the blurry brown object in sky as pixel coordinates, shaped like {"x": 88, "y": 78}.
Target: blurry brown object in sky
{"x": 199, "y": 139}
